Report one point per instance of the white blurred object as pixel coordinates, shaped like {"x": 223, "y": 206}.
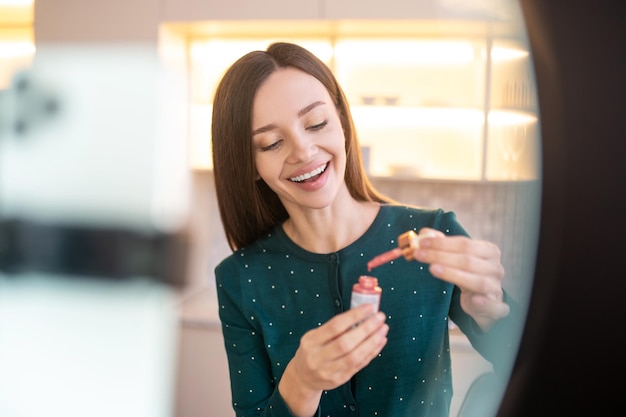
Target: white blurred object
{"x": 72, "y": 347}
{"x": 107, "y": 154}
{"x": 94, "y": 196}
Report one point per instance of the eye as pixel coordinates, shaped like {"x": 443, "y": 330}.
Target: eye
{"x": 318, "y": 126}
{"x": 271, "y": 146}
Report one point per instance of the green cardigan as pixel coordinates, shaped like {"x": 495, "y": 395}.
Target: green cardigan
{"x": 272, "y": 292}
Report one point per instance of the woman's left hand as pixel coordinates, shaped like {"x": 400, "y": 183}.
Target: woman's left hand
{"x": 474, "y": 266}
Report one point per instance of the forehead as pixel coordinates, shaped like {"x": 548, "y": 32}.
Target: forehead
{"x": 288, "y": 90}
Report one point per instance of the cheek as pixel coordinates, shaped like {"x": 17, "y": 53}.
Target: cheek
{"x": 266, "y": 167}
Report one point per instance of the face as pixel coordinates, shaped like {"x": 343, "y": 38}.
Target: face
{"x": 298, "y": 140}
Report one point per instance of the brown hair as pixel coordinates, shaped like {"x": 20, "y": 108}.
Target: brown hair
{"x": 248, "y": 207}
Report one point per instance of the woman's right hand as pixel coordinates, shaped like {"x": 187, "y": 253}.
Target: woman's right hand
{"x": 329, "y": 355}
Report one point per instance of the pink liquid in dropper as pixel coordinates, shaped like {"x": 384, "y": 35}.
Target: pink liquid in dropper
{"x": 407, "y": 243}
{"x": 383, "y": 258}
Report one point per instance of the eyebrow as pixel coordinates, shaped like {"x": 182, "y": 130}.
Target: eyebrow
{"x": 301, "y": 113}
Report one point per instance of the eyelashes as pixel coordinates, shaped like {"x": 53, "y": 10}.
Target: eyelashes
{"x": 271, "y": 146}
{"x": 275, "y": 145}
{"x": 318, "y": 126}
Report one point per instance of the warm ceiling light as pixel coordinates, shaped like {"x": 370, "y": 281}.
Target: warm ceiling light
{"x": 16, "y": 2}
{"x": 16, "y": 49}
{"x": 406, "y": 52}
{"x": 508, "y": 118}
{"x": 504, "y": 54}
{"x": 368, "y": 117}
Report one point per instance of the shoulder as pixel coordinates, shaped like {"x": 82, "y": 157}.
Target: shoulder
{"x": 246, "y": 260}
{"x": 414, "y": 217}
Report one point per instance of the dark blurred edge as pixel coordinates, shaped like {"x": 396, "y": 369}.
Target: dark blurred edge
{"x": 112, "y": 254}
{"x": 569, "y": 350}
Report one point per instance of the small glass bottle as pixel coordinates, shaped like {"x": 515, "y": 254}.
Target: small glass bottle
{"x": 366, "y": 291}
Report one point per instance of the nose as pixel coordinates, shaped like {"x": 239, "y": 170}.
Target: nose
{"x": 302, "y": 148}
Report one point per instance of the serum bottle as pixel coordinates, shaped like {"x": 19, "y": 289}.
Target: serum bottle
{"x": 366, "y": 291}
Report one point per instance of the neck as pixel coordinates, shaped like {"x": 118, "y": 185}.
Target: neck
{"x": 331, "y": 228}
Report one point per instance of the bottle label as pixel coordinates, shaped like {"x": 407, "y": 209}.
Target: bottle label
{"x": 359, "y": 298}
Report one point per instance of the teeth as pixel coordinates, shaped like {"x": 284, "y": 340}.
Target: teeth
{"x": 308, "y": 175}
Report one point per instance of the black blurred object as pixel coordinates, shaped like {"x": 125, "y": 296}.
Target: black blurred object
{"x": 106, "y": 253}
{"x": 571, "y": 357}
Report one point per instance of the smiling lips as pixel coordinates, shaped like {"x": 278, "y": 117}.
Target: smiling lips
{"x": 310, "y": 176}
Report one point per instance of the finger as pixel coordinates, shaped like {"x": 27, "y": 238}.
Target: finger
{"x": 366, "y": 351}
{"x": 341, "y": 323}
{"x": 461, "y": 244}
{"x": 475, "y": 275}
{"x": 355, "y": 337}
{"x": 343, "y": 367}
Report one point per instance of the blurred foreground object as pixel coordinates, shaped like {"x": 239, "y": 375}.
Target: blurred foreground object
{"x": 94, "y": 194}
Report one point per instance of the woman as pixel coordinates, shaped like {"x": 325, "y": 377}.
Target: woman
{"x": 303, "y": 221}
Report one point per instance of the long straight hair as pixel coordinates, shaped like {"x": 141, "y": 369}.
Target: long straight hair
{"x": 248, "y": 207}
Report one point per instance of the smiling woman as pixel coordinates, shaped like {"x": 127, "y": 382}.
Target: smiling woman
{"x": 442, "y": 123}
{"x": 311, "y": 222}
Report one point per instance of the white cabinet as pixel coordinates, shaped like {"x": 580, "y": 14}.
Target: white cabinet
{"x": 197, "y": 10}
{"x": 451, "y": 100}
{"x": 376, "y": 9}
